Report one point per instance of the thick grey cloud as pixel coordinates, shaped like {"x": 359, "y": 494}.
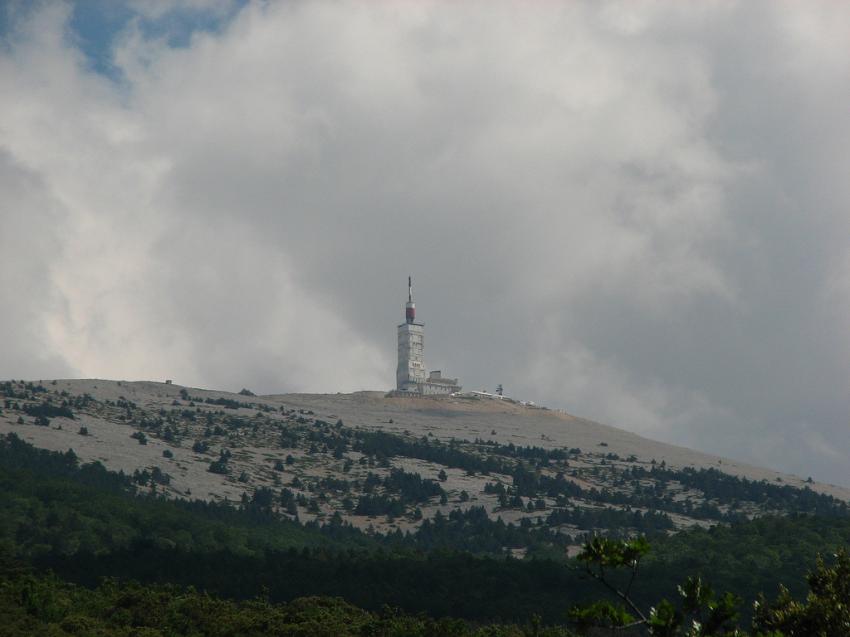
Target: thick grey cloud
{"x": 637, "y": 213}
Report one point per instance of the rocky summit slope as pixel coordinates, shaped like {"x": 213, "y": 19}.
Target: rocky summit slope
{"x": 392, "y": 462}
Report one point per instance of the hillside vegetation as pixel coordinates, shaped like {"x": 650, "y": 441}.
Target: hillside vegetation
{"x": 84, "y": 523}
{"x": 311, "y": 466}
{"x": 353, "y": 522}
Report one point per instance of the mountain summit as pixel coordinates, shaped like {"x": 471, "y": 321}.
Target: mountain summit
{"x": 394, "y": 462}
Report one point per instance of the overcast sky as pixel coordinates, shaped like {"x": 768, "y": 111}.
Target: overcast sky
{"x": 638, "y": 212}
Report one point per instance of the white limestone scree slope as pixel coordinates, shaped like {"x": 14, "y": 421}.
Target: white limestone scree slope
{"x": 410, "y": 373}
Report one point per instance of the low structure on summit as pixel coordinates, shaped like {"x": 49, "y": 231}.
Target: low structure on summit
{"x": 410, "y": 373}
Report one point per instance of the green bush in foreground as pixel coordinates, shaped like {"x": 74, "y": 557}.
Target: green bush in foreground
{"x": 44, "y": 605}
{"x": 31, "y": 605}
{"x": 700, "y": 612}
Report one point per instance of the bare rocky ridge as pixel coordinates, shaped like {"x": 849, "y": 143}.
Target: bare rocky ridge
{"x": 470, "y": 418}
{"x": 286, "y": 442}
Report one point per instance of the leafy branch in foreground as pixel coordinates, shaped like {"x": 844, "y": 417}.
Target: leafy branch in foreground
{"x": 826, "y": 611}
{"x": 701, "y": 614}
{"x": 601, "y": 554}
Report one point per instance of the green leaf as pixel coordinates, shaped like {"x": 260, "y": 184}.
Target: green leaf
{"x": 664, "y": 619}
{"x": 601, "y": 613}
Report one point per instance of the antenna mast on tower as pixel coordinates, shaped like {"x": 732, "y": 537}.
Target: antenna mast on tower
{"x": 410, "y": 308}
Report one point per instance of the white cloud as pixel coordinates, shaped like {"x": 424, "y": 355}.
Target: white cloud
{"x": 631, "y": 211}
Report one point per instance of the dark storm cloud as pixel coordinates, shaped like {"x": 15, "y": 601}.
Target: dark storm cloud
{"x": 637, "y": 213}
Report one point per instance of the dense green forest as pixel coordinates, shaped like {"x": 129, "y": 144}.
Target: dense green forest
{"x": 85, "y": 523}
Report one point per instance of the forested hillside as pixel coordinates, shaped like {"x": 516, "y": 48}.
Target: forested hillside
{"x": 556, "y": 478}
{"x": 85, "y": 523}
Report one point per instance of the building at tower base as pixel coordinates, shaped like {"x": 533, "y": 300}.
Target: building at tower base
{"x": 436, "y": 384}
{"x": 410, "y": 373}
